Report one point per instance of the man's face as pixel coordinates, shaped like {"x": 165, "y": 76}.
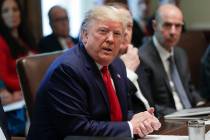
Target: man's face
{"x": 102, "y": 40}
{"x": 60, "y": 23}
{"x": 169, "y": 27}
{"x": 128, "y": 31}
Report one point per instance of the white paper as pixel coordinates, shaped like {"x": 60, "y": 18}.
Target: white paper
{"x": 2, "y": 136}
{"x": 14, "y": 106}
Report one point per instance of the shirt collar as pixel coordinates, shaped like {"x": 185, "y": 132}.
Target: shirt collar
{"x": 164, "y": 54}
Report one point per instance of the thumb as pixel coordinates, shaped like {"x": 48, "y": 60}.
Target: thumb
{"x": 151, "y": 110}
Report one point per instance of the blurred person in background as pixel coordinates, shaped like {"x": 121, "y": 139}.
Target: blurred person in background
{"x": 139, "y": 89}
{"x": 140, "y": 10}
{"x": 60, "y": 38}
{"x": 15, "y": 42}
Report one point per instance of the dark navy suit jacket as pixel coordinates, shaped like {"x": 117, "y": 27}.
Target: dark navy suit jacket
{"x": 72, "y": 99}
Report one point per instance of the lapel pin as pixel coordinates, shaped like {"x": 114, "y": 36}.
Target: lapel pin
{"x": 118, "y": 75}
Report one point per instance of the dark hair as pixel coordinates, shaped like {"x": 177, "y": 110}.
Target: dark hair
{"x": 50, "y": 14}
{"x": 15, "y": 47}
{"x": 117, "y": 1}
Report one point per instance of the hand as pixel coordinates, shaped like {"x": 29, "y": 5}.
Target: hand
{"x": 7, "y": 97}
{"x": 17, "y": 96}
{"x": 131, "y": 58}
{"x": 145, "y": 122}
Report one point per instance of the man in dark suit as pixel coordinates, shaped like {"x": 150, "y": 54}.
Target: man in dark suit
{"x": 85, "y": 90}
{"x": 60, "y": 38}
{"x": 171, "y": 83}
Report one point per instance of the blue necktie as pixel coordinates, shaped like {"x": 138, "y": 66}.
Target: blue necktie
{"x": 178, "y": 83}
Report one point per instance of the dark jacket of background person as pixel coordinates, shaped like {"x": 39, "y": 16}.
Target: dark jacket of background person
{"x": 3, "y": 120}
{"x": 205, "y": 75}
{"x": 72, "y": 99}
{"x": 3, "y": 123}
{"x": 146, "y": 90}
{"x": 50, "y": 43}
{"x": 137, "y": 35}
{"x": 161, "y": 91}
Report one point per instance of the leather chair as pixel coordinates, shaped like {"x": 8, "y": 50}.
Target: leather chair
{"x": 31, "y": 70}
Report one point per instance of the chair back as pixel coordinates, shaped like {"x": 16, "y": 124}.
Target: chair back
{"x": 31, "y": 70}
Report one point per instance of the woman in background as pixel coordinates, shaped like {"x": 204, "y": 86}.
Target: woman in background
{"x": 15, "y": 42}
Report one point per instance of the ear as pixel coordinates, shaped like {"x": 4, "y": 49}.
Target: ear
{"x": 154, "y": 24}
{"x": 84, "y": 35}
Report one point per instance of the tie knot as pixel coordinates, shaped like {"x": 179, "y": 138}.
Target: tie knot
{"x": 104, "y": 69}
{"x": 171, "y": 59}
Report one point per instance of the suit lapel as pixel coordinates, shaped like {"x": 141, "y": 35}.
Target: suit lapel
{"x": 116, "y": 77}
{"x": 158, "y": 63}
{"x": 96, "y": 77}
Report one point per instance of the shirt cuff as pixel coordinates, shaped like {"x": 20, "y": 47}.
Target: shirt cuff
{"x": 132, "y": 76}
{"x": 131, "y": 128}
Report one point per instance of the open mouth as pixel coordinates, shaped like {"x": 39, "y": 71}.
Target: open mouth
{"x": 107, "y": 50}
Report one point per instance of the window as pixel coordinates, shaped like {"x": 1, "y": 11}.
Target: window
{"x": 73, "y": 8}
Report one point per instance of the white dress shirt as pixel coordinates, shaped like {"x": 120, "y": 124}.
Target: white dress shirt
{"x": 132, "y": 76}
{"x": 63, "y": 43}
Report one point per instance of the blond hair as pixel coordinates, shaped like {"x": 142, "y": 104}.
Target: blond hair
{"x": 102, "y": 13}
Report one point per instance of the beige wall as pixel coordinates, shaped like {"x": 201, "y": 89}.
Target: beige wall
{"x": 197, "y": 14}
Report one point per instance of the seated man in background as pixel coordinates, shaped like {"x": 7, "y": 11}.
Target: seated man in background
{"x": 60, "y": 38}
{"x": 167, "y": 65}
{"x": 85, "y": 91}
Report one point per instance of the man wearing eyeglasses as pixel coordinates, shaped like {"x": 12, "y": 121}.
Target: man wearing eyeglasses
{"x": 60, "y": 38}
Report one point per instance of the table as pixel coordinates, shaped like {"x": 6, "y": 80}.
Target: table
{"x": 175, "y": 127}
{"x": 96, "y": 138}
{"x": 169, "y": 127}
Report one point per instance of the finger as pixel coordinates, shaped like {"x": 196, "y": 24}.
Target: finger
{"x": 151, "y": 110}
{"x": 143, "y": 129}
{"x": 156, "y": 125}
{"x": 140, "y": 133}
{"x": 148, "y": 126}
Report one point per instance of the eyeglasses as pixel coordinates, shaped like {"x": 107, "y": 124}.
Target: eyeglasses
{"x": 61, "y": 19}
